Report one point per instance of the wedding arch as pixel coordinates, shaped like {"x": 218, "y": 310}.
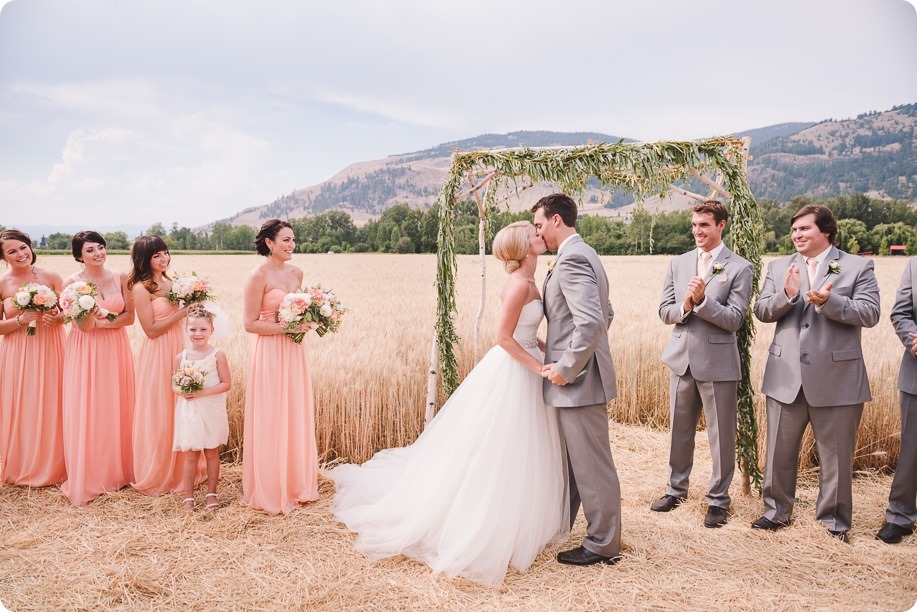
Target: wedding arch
{"x": 641, "y": 168}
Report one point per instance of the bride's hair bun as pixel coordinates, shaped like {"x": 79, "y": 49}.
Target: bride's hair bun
{"x": 511, "y": 245}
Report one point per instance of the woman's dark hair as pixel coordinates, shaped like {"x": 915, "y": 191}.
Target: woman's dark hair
{"x": 81, "y": 238}
{"x": 142, "y": 252}
{"x": 15, "y": 234}
{"x": 269, "y": 230}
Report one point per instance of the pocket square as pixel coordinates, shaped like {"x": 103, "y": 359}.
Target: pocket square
{"x": 723, "y": 278}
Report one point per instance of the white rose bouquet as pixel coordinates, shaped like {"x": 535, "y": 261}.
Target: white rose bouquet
{"x": 310, "y": 304}
{"x": 33, "y": 296}
{"x": 187, "y": 289}
{"x": 79, "y": 300}
{"x": 189, "y": 379}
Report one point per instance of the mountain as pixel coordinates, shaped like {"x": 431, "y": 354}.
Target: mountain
{"x": 873, "y": 153}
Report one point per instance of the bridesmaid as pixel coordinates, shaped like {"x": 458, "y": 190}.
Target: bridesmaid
{"x": 279, "y": 457}
{"x": 157, "y": 469}
{"x": 31, "y": 439}
{"x": 98, "y": 382}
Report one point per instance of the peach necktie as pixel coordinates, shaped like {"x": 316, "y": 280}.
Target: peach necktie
{"x": 812, "y": 269}
{"x": 703, "y": 264}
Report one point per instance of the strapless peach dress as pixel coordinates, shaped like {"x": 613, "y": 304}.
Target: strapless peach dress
{"x": 279, "y": 456}
{"x": 31, "y": 435}
{"x": 157, "y": 469}
{"x": 98, "y": 409}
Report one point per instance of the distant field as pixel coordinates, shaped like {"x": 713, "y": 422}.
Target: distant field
{"x": 370, "y": 381}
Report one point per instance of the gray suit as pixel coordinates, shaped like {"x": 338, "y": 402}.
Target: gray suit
{"x": 578, "y": 312}
{"x": 815, "y": 373}
{"x": 703, "y": 357}
{"x": 902, "y": 500}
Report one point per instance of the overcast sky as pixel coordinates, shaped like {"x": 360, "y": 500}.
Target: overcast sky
{"x": 116, "y": 111}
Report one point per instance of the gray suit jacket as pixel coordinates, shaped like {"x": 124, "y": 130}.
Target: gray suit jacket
{"x": 904, "y": 318}
{"x": 705, "y": 339}
{"x": 578, "y": 311}
{"x": 820, "y": 352}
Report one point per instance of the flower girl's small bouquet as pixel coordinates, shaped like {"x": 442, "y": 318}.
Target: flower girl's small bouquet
{"x": 79, "y": 299}
{"x": 310, "y": 304}
{"x": 189, "y": 379}
{"x": 33, "y": 296}
{"x": 188, "y": 289}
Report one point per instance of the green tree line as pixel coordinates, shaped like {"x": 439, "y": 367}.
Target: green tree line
{"x": 866, "y": 225}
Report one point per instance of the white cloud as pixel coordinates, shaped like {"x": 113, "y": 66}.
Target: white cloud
{"x": 237, "y": 102}
{"x": 393, "y": 108}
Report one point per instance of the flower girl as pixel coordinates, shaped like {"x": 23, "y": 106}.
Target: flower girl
{"x": 201, "y": 380}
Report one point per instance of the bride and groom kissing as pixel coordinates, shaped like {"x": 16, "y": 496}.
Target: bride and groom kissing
{"x": 505, "y": 465}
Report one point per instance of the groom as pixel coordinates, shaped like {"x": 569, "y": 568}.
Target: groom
{"x": 580, "y": 378}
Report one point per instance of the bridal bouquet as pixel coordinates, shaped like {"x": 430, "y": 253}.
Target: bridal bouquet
{"x": 187, "y": 289}
{"x": 310, "y": 304}
{"x": 189, "y": 379}
{"x": 79, "y": 299}
{"x": 33, "y": 296}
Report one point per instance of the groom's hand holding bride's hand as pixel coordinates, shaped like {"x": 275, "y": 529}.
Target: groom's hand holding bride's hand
{"x": 551, "y": 374}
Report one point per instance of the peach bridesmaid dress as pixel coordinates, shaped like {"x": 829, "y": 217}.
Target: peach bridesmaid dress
{"x": 157, "y": 469}
{"x": 31, "y": 435}
{"x": 279, "y": 456}
{"x": 98, "y": 408}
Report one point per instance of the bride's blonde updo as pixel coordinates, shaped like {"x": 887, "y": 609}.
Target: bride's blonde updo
{"x": 511, "y": 245}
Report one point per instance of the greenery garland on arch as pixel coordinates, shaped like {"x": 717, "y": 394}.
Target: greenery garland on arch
{"x": 642, "y": 168}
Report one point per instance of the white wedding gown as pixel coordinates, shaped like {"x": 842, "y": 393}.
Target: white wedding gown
{"x": 481, "y": 488}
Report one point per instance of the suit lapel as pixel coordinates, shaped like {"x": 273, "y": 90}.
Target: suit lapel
{"x": 822, "y": 275}
{"x": 723, "y": 259}
{"x": 800, "y": 262}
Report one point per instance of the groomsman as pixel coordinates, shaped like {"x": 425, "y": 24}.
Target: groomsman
{"x": 902, "y": 500}
{"x": 705, "y": 296}
{"x": 821, "y": 298}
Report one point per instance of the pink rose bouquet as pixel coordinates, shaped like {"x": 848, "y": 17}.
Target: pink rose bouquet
{"x": 189, "y": 379}
{"x": 33, "y": 296}
{"x": 80, "y": 299}
{"x": 310, "y": 304}
{"x": 188, "y": 289}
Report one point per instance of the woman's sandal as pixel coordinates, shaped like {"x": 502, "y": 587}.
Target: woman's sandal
{"x": 214, "y": 504}
{"x": 193, "y": 504}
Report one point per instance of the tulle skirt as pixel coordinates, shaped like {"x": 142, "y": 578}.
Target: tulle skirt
{"x": 201, "y": 423}
{"x": 481, "y": 489}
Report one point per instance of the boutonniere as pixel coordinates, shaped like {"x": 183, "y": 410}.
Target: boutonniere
{"x": 834, "y": 267}
{"x": 717, "y": 267}
{"x": 551, "y": 264}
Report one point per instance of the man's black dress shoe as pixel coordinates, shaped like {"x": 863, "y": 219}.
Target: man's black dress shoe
{"x": 667, "y": 503}
{"x": 892, "y": 533}
{"x": 716, "y": 517}
{"x": 767, "y": 524}
{"x": 581, "y": 556}
{"x": 840, "y": 535}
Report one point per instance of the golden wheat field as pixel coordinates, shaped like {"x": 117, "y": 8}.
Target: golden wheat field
{"x": 127, "y": 551}
{"x": 369, "y": 378}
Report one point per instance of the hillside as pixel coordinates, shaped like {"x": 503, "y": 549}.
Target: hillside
{"x": 873, "y": 153}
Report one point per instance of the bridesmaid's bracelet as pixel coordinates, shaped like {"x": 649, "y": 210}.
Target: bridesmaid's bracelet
{"x": 18, "y": 323}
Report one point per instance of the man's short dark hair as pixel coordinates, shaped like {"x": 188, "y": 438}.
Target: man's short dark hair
{"x": 824, "y": 219}
{"x": 558, "y": 204}
{"x": 715, "y": 208}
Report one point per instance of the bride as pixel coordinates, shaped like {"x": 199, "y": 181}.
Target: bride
{"x": 483, "y": 486}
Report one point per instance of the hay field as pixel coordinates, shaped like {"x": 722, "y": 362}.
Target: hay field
{"x": 129, "y": 551}
{"x": 369, "y": 378}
